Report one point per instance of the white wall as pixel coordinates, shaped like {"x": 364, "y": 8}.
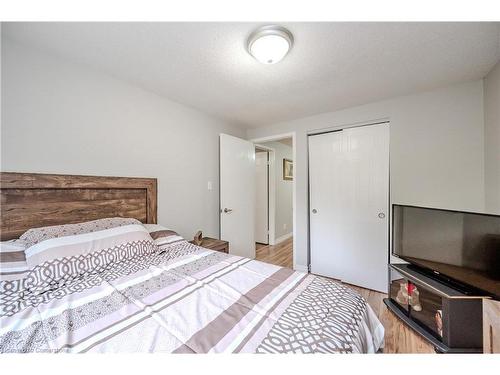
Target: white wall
{"x": 58, "y": 117}
{"x": 437, "y": 153}
{"x": 284, "y": 190}
{"x": 492, "y": 139}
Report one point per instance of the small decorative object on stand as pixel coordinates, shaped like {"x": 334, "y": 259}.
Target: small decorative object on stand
{"x": 409, "y": 294}
{"x": 210, "y": 243}
{"x": 439, "y": 322}
{"x": 198, "y": 238}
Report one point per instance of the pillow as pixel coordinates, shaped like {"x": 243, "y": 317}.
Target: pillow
{"x": 73, "y": 261}
{"x": 57, "y": 261}
{"x": 163, "y": 236}
{"x": 88, "y": 242}
{"x": 13, "y": 264}
{"x": 36, "y": 235}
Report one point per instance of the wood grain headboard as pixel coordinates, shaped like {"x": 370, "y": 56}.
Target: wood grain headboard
{"x": 31, "y": 200}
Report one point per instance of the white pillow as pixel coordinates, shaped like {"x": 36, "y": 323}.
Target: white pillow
{"x": 13, "y": 264}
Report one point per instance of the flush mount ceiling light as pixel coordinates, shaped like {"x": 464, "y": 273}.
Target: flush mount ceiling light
{"x": 269, "y": 44}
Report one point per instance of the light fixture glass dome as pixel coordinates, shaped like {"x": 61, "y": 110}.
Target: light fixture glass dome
{"x": 270, "y": 44}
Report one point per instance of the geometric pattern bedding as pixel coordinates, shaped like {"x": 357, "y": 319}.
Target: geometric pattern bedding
{"x": 187, "y": 299}
{"x": 312, "y": 323}
{"x": 36, "y": 235}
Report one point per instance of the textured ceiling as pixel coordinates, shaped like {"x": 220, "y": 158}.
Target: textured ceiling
{"x": 331, "y": 66}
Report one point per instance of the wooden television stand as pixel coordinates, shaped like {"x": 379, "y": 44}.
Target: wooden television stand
{"x": 449, "y": 319}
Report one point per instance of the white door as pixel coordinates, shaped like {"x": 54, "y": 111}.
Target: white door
{"x": 237, "y": 195}
{"x": 261, "y": 197}
{"x": 349, "y": 203}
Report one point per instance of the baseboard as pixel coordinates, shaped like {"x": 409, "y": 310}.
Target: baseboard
{"x": 283, "y": 238}
{"x": 301, "y": 268}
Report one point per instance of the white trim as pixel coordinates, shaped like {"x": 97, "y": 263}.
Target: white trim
{"x": 272, "y": 197}
{"x": 272, "y": 193}
{"x": 301, "y": 268}
{"x": 276, "y": 137}
{"x": 349, "y": 125}
{"x": 283, "y": 238}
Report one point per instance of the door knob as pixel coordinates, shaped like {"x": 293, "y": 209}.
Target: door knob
{"x": 314, "y": 211}
{"x": 381, "y": 215}
{"x": 228, "y": 210}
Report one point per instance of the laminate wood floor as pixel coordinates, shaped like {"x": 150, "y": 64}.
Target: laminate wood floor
{"x": 398, "y": 337}
{"x": 280, "y": 254}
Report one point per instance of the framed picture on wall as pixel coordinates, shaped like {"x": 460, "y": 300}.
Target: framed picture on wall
{"x": 287, "y": 169}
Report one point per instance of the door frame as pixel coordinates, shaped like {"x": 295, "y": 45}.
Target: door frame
{"x": 271, "y": 193}
{"x": 272, "y": 171}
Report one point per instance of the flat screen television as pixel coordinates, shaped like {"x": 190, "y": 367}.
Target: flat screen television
{"x": 459, "y": 248}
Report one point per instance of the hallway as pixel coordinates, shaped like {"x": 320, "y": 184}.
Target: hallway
{"x": 280, "y": 254}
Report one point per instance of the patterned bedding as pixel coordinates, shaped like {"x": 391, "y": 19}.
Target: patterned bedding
{"x": 182, "y": 298}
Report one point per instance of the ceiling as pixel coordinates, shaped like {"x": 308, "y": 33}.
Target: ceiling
{"x": 331, "y": 66}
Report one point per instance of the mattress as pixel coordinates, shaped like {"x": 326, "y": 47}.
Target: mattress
{"x": 187, "y": 299}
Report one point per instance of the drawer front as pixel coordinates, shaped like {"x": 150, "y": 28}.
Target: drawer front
{"x": 222, "y": 247}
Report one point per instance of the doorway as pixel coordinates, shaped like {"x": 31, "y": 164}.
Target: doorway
{"x": 262, "y": 195}
{"x": 274, "y": 188}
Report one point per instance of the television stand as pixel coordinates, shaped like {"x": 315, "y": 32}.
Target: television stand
{"x": 449, "y": 319}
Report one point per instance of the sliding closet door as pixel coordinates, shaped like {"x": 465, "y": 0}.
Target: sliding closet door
{"x": 349, "y": 202}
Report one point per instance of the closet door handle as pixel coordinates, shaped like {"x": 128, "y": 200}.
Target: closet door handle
{"x": 381, "y": 215}
{"x": 314, "y": 211}
{"x": 228, "y": 210}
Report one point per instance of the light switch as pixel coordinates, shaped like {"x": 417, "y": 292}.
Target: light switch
{"x": 209, "y": 186}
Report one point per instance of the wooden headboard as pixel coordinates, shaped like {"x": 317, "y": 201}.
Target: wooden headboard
{"x": 31, "y": 200}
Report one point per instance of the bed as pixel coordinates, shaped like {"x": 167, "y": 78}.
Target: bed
{"x": 151, "y": 290}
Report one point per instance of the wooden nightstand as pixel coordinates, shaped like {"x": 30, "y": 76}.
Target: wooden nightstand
{"x": 214, "y": 244}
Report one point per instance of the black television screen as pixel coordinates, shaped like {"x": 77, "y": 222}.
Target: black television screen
{"x": 463, "y": 247}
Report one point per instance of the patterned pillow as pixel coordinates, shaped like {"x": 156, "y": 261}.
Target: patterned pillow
{"x": 63, "y": 261}
{"x": 36, "y": 235}
{"x": 163, "y": 236}
{"x": 85, "y": 243}
{"x": 13, "y": 264}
